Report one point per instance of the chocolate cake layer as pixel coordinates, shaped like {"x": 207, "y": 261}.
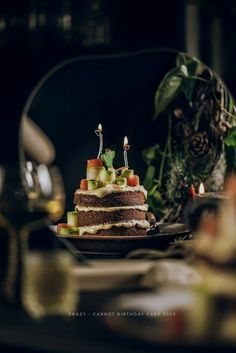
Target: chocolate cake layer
{"x": 127, "y": 198}
{"x": 121, "y": 231}
{"x": 98, "y": 217}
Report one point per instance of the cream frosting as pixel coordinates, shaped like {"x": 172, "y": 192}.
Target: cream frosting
{"x": 94, "y": 229}
{"x": 109, "y": 188}
{"x": 143, "y": 207}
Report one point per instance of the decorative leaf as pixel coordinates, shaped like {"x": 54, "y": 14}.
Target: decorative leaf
{"x": 184, "y": 70}
{"x": 149, "y": 177}
{"x": 168, "y": 89}
{"x": 156, "y": 203}
{"x": 190, "y": 62}
{"x": 108, "y": 157}
{"x": 151, "y": 154}
{"x": 230, "y": 140}
{"x": 230, "y": 150}
{"x": 191, "y": 65}
{"x": 231, "y": 109}
{"x": 188, "y": 88}
{"x": 231, "y": 104}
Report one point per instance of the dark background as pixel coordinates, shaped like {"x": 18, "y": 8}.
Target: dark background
{"x": 37, "y": 34}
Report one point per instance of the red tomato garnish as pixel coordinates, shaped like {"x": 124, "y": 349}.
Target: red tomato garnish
{"x": 84, "y": 184}
{"x": 62, "y": 225}
{"x": 94, "y": 163}
{"x": 133, "y": 180}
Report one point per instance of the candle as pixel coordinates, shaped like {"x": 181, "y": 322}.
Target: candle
{"x": 126, "y": 148}
{"x": 192, "y": 191}
{"x": 98, "y": 132}
{"x": 201, "y": 189}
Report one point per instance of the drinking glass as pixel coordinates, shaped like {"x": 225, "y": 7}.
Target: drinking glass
{"x": 31, "y": 196}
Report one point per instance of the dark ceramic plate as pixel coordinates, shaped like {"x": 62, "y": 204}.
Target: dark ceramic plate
{"x": 118, "y": 246}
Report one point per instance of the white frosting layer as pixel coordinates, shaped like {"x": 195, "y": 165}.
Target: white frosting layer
{"x": 112, "y": 209}
{"x": 109, "y": 188}
{"x": 94, "y": 229}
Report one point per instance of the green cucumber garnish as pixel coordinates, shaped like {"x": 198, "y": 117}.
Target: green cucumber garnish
{"x": 93, "y": 184}
{"x": 126, "y": 173}
{"x": 121, "y": 181}
{"x": 72, "y": 218}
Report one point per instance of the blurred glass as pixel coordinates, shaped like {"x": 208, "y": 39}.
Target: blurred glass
{"x": 30, "y": 198}
{"x": 49, "y": 285}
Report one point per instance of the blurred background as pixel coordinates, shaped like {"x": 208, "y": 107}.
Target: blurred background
{"x": 35, "y": 35}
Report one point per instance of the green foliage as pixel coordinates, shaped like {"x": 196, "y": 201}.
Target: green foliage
{"x": 157, "y": 161}
{"x": 177, "y": 80}
{"x": 191, "y": 63}
{"x": 149, "y": 177}
{"x": 168, "y": 174}
{"x": 151, "y": 154}
{"x": 168, "y": 89}
{"x": 231, "y": 105}
{"x": 108, "y": 157}
{"x": 156, "y": 202}
{"x": 230, "y": 150}
{"x": 230, "y": 140}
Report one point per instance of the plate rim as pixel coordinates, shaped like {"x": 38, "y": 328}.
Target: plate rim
{"x": 119, "y": 237}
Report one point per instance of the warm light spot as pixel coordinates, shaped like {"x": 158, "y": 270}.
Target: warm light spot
{"x": 29, "y": 179}
{"x": 125, "y": 141}
{"x": 100, "y": 127}
{"x": 201, "y": 189}
{"x": 29, "y": 166}
{"x": 44, "y": 178}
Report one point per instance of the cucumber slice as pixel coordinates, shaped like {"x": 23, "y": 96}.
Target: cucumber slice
{"x": 92, "y": 184}
{"x": 64, "y": 231}
{"x": 72, "y": 218}
{"x": 93, "y": 172}
{"x": 107, "y": 176}
{"x": 127, "y": 173}
{"x": 74, "y": 230}
{"x": 121, "y": 181}
{"x": 68, "y": 231}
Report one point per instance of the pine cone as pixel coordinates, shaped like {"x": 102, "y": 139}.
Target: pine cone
{"x": 199, "y": 145}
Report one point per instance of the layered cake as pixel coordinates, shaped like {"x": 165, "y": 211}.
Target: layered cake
{"x": 109, "y": 201}
{"x": 112, "y": 210}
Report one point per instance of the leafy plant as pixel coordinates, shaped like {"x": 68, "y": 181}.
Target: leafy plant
{"x": 170, "y": 171}
{"x": 230, "y": 140}
{"x": 180, "y": 79}
{"x": 230, "y": 150}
